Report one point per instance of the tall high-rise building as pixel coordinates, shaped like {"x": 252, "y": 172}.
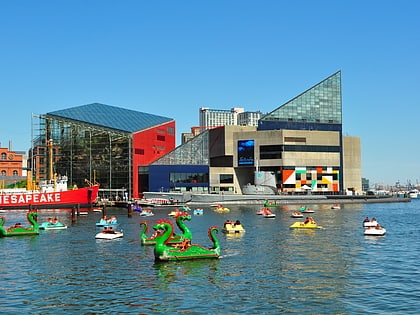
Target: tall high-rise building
{"x": 249, "y": 118}
{"x": 212, "y": 118}
{"x": 219, "y": 117}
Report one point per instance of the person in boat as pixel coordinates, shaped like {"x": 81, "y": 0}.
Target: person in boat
{"x": 373, "y": 220}
{"x": 266, "y": 203}
{"x": 237, "y": 222}
{"x": 54, "y": 221}
{"x": 378, "y": 226}
{"x": 113, "y": 220}
{"x": 228, "y": 222}
{"x": 108, "y": 229}
{"x": 138, "y": 208}
{"x": 103, "y": 220}
{"x": 18, "y": 225}
{"x": 186, "y": 244}
{"x": 366, "y": 219}
{"x": 266, "y": 210}
{"x": 183, "y": 245}
{"x": 307, "y": 220}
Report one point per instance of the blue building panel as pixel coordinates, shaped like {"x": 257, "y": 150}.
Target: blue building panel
{"x": 293, "y": 125}
{"x": 160, "y": 177}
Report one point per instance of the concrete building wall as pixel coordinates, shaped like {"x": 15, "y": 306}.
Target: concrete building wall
{"x": 310, "y": 158}
{"x": 326, "y": 162}
{"x": 228, "y": 188}
{"x": 222, "y": 144}
{"x": 317, "y": 138}
{"x": 291, "y": 137}
{"x": 232, "y": 133}
{"x": 352, "y": 164}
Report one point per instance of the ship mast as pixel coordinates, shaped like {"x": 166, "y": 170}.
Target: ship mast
{"x": 50, "y": 156}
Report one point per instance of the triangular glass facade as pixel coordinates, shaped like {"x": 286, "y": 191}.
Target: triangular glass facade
{"x": 321, "y": 104}
{"x": 194, "y": 152}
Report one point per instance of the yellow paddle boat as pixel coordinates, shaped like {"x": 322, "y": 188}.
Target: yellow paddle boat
{"x": 233, "y": 227}
{"x": 221, "y": 209}
{"x": 310, "y": 224}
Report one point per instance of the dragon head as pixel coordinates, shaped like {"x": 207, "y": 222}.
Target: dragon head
{"x": 32, "y": 214}
{"x": 184, "y": 216}
{"x": 163, "y": 225}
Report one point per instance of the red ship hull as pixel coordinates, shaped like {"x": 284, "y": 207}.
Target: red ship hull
{"x": 82, "y": 197}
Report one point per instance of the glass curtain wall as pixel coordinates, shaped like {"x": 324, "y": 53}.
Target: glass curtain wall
{"x": 86, "y": 153}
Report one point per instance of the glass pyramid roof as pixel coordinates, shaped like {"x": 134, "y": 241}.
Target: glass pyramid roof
{"x": 112, "y": 117}
{"x": 320, "y": 104}
{"x": 193, "y": 152}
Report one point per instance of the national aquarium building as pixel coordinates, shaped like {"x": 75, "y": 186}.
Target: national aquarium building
{"x": 296, "y": 148}
{"x": 100, "y": 143}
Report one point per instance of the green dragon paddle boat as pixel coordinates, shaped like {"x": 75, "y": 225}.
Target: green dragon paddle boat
{"x": 18, "y": 229}
{"x": 184, "y": 250}
{"x": 269, "y": 204}
{"x": 176, "y": 239}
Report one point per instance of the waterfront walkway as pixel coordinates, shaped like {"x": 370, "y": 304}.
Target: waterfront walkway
{"x": 193, "y": 199}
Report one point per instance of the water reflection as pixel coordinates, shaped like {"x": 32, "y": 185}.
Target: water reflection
{"x": 270, "y": 269}
{"x": 168, "y": 272}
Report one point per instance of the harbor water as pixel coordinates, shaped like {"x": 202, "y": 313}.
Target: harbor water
{"x": 270, "y": 269}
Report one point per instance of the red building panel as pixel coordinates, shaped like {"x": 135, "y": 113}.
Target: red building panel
{"x": 148, "y": 146}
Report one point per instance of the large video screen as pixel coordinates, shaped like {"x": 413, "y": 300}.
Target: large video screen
{"x": 246, "y": 152}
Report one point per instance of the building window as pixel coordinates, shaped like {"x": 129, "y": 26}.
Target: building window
{"x": 3, "y": 173}
{"x": 3, "y": 156}
{"x": 269, "y": 152}
{"x": 15, "y": 173}
{"x": 226, "y": 179}
{"x": 139, "y": 151}
{"x": 295, "y": 139}
{"x": 160, "y": 138}
{"x": 312, "y": 148}
{"x": 189, "y": 178}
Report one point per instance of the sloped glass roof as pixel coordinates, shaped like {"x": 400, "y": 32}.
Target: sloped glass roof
{"x": 112, "y": 117}
{"x": 320, "y": 104}
{"x": 194, "y": 152}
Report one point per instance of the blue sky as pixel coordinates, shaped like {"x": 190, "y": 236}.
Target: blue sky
{"x": 170, "y": 58}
